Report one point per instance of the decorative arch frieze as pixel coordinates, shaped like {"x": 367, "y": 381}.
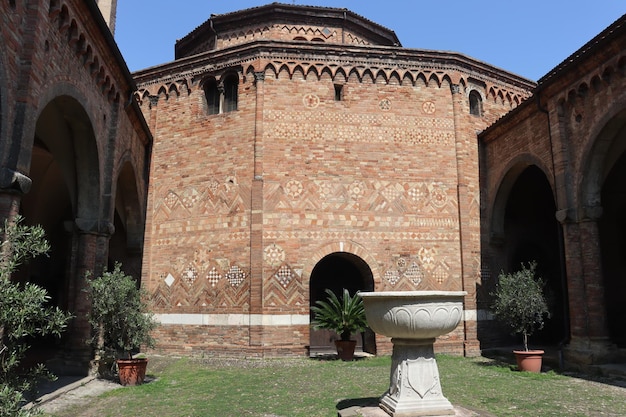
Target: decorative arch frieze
{"x": 339, "y": 73}
{"x": 60, "y": 16}
{"x": 595, "y": 82}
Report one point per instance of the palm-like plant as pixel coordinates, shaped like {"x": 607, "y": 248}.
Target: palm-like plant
{"x": 345, "y": 315}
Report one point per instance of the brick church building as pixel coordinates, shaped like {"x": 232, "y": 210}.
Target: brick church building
{"x": 290, "y": 149}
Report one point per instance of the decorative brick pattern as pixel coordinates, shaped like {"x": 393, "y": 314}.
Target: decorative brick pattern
{"x": 294, "y": 174}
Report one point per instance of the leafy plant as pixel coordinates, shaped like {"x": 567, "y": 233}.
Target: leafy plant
{"x": 119, "y": 314}
{"x": 519, "y": 301}
{"x": 344, "y": 316}
{"x": 24, "y": 314}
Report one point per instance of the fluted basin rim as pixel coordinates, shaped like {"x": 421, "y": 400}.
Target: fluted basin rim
{"x": 412, "y": 294}
{"x": 413, "y": 314}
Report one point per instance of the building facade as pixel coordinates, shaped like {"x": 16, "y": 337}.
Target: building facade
{"x": 74, "y": 153}
{"x": 553, "y": 181}
{"x": 301, "y": 148}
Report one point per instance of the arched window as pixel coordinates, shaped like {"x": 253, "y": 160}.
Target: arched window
{"x": 212, "y": 95}
{"x": 475, "y": 103}
{"x": 231, "y": 85}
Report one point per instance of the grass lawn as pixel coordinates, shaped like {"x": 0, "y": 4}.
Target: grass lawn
{"x": 314, "y": 388}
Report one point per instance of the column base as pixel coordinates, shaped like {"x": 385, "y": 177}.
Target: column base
{"x": 583, "y": 352}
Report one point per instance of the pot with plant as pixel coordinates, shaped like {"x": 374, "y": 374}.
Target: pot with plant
{"x": 345, "y": 315}
{"x": 519, "y": 303}
{"x": 122, "y": 323}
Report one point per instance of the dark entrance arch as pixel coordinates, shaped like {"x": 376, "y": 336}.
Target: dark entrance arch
{"x": 612, "y": 228}
{"x": 65, "y": 186}
{"x": 532, "y": 233}
{"x": 337, "y": 271}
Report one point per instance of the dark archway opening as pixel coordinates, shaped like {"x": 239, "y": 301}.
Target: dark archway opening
{"x": 64, "y": 174}
{"x": 612, "y": 228}
{"x": 533, "y": 234}
{"x": 337, "y": 271}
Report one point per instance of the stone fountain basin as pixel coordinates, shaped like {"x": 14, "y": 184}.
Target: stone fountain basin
{"x": 413, "y": 314}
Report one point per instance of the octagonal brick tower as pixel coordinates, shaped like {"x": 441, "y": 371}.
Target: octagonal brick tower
{"x": 299, "y": 148}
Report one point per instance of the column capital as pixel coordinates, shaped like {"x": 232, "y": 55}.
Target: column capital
{"x": 15, "y": 181}
{"x": 455, "y": 88}
{"x": 94, "y": 226}
{"x": 584, "y": 214}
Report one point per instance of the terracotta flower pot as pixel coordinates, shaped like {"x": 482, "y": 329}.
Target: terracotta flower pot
{"x": 345, "y": 349}
{"x": 529, "y": 361}
{"x": 132, "y": 371}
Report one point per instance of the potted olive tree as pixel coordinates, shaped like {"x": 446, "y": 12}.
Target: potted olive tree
{"x": 345, "y": 315}
{"x": 519, "y": 302}
{"x": 122, "y": 323}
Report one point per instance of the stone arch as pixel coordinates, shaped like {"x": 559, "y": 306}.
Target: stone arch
{"x": 524, "y": 212}
{"x": 66, "y": 200}
{"x": 601, "y": 153}
{"x": 341, "y": 246}
{"x": 510, "y": 174}
{"x": 603, "y": 200}
{"x": 65, "y": 129}
{"x": 336, "y": 267}
{"x": 125, "y": 245}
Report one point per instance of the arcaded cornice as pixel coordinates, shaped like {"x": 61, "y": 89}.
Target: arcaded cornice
{"x": 312, "y": 59}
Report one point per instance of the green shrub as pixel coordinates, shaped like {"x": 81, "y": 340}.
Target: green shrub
{"x": 519, "y": 301}
{"x": 24, "y": 314}
{"x": 120, "y": 314}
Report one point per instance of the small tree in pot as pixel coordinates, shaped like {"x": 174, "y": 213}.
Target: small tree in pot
{"x": 345, "y": 315}
{"x": 121, "y": 321}
{"x": 519, "y": 303}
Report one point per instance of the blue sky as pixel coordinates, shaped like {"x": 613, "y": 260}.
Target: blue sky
{"x": 527, "y": 38}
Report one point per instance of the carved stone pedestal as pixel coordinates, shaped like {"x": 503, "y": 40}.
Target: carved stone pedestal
{"x": 413, "y": 319}
{"x": 414, "y": 387}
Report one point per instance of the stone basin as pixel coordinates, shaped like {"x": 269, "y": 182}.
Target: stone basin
{"x": 413, "y": 320}
{"x": 413, "y": 314}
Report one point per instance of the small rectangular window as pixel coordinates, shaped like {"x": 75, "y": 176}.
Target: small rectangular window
{"x": 338, "y": 92}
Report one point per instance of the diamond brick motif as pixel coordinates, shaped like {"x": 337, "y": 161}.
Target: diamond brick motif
{"x": 392, "y": 277}
{"x": 169, "y": 280}
{"x": 284, "y": 276}
{"x": 213, "y": 276}
{"x": 235, "y": 276}
{"x": 414, "y": 273}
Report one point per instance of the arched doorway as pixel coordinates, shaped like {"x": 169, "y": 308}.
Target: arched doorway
{"x": 337, "y": 271}
{"x": 612, "y": 228}
{"x": 532, "y": 233}
{"x": 64, "y": 170}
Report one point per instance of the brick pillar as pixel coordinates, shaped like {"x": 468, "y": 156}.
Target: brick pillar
{"x": 590, "y": 341}
{"x": 469, "y": 222}
{"x": 91, "y": 248}
{"x": 256, "y": 217}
